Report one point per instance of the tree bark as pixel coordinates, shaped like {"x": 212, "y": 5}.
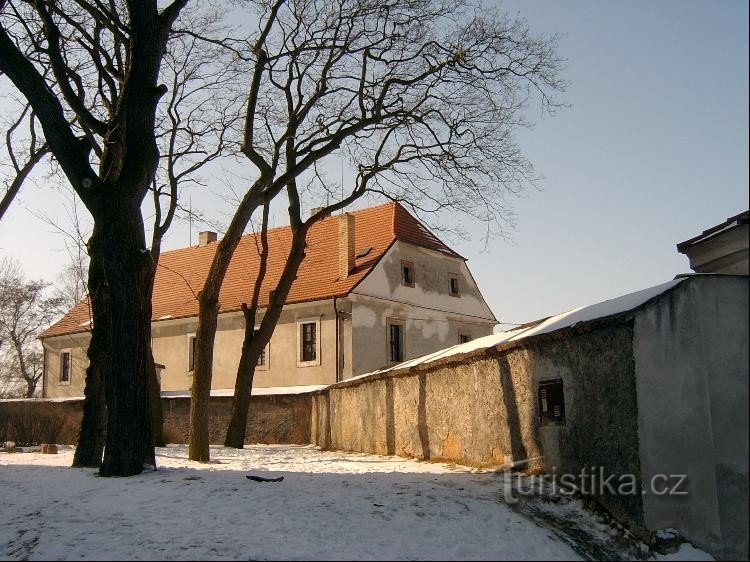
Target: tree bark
{"x": 129, "y": 270}
{"x": 94, "y": 422}
{"x": 243, "y": 385}
{"x": 208, "y": 312}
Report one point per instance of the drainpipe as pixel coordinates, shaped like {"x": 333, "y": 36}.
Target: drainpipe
{"x": 44, "y": 370}
{"x": 338, "y": 359}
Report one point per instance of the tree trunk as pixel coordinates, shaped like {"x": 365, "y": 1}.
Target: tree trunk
{"x": 208, "y": 313}
{"x": 253, "y": 344}
{"x": 30, "y": 388}
{"x": 243, "y": 385}
{"x": 129, "y": 271}
{"x": 94, "y": 422}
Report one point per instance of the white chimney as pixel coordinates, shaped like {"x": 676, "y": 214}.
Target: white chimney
{"x": 346, "y": 244}
{"x": 206, "y": 237}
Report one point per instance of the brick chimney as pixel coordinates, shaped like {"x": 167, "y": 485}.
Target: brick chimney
{"x": 346, "y": 244}
{"x": 206, "y": 237}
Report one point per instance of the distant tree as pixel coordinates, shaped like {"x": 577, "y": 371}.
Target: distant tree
{"x": 25, "y": 311}
{"x": 421, "y": 97}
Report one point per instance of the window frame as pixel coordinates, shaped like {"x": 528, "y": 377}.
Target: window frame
{"x": 545, "y": 418}
{"x": 266, "y": 354}
{"x": 410, "y": 265}
{"x": 300, "y": 323}
{"x": 190, "y": 354}
{"x": 402, "y": 343}
{"x": 451, "y": 278}
{"x": 464, "y": 334}
{"x": 69, "y": 352}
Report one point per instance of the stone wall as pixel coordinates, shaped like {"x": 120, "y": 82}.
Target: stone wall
{"x": 272, "y": 419}
{"x": 482, "y": 410}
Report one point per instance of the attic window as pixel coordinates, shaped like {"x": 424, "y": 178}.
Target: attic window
{"x": 453, "y": 287}
{"x": 362, "y": 252}
{"x": 551, "y": 402}
{"x": 407, "y": 273}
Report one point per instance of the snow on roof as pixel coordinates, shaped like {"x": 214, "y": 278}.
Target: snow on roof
{"x": 568, "y": 319}
{"x": 266, "y": 391}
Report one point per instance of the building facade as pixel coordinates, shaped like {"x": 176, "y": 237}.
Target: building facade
{"x": 376, "y": 288}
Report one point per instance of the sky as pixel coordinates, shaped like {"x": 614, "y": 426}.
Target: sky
{"x": 652, "y": 150}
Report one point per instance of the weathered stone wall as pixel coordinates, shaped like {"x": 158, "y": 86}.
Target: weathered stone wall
{"x": 482, "y": 410}
{"x": 69, "y": 411}
{"x": 272, "y": 419}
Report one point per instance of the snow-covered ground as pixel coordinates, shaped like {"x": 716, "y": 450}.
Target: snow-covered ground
{"x": 332, "y": 506}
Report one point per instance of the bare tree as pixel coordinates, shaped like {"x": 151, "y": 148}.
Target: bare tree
{"x": 25, "y": 311}
{"x": 421, "y": 98}
{"x": 90, "y": 71}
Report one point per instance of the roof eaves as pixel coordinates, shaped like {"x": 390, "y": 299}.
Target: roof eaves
{"x": 740, "y": 219}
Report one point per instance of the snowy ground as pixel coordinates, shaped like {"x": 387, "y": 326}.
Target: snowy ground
{"x": 332, "y": 506}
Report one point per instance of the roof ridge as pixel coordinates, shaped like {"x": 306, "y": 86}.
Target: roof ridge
{"x": 288, "y": 226}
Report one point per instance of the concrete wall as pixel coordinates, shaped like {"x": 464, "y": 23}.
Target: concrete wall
{"x": 273, "y": 419}
{"x": 432, "y": 317}
{"x": 725, "y": 252}
{"x": 691, "y": 354}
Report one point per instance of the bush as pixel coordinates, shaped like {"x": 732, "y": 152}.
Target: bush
{"x": 171, "y": 434}
{"x": 28, "y": 430}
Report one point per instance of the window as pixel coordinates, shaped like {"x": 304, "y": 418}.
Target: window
{"x": 262, "y": 363}
{"x": 453, "y": 287}
{"x": 262, "y": 358}
{"x": 395, "y": 341}
{"x": 551, "y": 402}
{"x": 65, "y": 366}
{"x": 464, "y": 337}
{"x": 407, "y": 273}
{"x": 308, "y": 342}
{"x": 309, "y": 338}
{"x": 191, "y": 352}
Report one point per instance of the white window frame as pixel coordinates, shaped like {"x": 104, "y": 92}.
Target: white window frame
{"x": 309, "y": 320}
{"x": 189, "y": 351}
{"x": 267, "y": 351}
{"x": 398, "y": 322}
{"x": 69, "y": 351}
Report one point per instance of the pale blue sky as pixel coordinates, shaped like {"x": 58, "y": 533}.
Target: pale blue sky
{"x": 653, "y": 150}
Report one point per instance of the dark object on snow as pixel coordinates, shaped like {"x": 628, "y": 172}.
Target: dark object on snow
{"x": 263, "y": 479}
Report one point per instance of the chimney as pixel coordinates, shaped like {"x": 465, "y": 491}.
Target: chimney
{"x": 206, "y": 237}
{"x": 346, "y": 244}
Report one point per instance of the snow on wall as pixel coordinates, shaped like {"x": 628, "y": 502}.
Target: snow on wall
{"x": 568, "y": 319}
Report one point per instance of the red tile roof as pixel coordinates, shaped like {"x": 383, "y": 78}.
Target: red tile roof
{"x": 181, "y": 273}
